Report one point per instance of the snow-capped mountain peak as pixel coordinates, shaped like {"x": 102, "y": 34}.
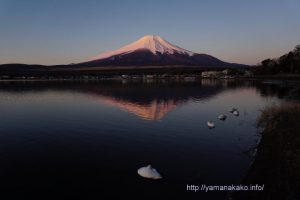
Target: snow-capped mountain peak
{"x": 153, "y": 43}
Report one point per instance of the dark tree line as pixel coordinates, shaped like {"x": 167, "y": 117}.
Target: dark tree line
{"x": 286, "y": 64}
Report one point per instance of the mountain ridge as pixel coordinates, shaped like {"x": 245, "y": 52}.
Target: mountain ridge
{"x": 152, "y": 50}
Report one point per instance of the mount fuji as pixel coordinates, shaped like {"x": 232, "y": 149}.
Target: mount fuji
{"x": 152, "y": 50}
{"x": 153, "y": 43}
{"x": 150, "y": 53}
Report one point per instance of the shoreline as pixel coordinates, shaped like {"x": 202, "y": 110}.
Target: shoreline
{"x": 277, "y": 161}
{"x": 172, "y": 77}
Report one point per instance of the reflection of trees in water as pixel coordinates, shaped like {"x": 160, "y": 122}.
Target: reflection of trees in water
{"x": 279, "y": 89}
{"x": 273, "y": 88}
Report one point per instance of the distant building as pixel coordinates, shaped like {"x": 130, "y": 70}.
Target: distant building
{"x": 4, "y": 77}
{"x": 124, "y": 76}
{"x": 150, "y": 76}
{"x": 211, "y": 74}
{"x": 248, "y": 73}
{"x": 226, "y": 72}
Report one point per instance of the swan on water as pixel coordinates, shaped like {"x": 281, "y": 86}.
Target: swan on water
{"x": 236, "y": 113}
{"x": 232, "y": 110}
{"x": 149, "y": 172}
{"x": 210, "y": 124}
{"x": 222, "y": 117}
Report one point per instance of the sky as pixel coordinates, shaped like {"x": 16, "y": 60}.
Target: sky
{"x": 71, "y": 31}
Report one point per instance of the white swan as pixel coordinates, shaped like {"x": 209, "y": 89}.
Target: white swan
{"x": 236, "y": 113}
{"x": 232, "y": 110}
{"x": 222, "y": 117}
{"x": 149, "y": 172}
{"x": 210, "y": 124}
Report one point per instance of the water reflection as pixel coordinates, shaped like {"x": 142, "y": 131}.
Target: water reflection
{"x": 88, "y": 136}
{"x": 152, "y": 100}
{"x": 154, "y": 110}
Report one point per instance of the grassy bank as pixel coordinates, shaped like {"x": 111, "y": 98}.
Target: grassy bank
{"x": 277, "y": 162}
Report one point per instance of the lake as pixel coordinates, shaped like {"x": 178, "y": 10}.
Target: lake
{"x": 89, "y": 138}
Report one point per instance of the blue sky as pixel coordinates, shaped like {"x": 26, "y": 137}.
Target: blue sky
{"x": 70, "y": 31}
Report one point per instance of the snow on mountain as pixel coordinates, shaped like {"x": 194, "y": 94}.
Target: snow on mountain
{"x": 153, "y": 43}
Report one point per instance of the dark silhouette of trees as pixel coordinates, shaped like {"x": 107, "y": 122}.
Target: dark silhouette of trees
{"x": 286, "y": 64}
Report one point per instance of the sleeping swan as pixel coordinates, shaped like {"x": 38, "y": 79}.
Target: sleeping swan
{"x": 148, "y": 172}
{"x": 210, "y": 124}
{"x": 236, "y": 113}
{"x": 222, "y": 117}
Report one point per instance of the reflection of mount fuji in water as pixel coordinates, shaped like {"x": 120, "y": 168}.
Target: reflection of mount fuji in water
{"x": 150, "y": 101}
{"x": 154, "y": 101}
{"x": 154, "y": 110}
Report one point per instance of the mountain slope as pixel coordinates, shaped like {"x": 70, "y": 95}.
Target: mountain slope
{"x": 153, "y": 43}
{"x": 152, "y": 50}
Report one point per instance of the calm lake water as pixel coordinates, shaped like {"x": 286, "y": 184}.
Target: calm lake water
{"x": 70, "y": 139}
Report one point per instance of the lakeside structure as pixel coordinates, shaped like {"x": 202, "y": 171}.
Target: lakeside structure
{"x": 224, "y": 74}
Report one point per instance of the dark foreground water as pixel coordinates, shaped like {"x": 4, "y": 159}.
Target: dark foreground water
{"x": 86, "y": 140}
